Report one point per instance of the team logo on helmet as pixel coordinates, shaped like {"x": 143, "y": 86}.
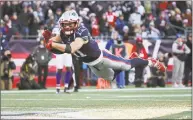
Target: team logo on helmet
{"x": 69, "y": 22}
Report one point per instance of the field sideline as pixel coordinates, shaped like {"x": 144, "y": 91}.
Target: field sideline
{"x": 129, "y": 103}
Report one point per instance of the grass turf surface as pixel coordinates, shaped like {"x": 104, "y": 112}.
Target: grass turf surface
{"x": 144, "y": 101}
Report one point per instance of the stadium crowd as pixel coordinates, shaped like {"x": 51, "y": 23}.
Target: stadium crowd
{"x": 149, "y": 18}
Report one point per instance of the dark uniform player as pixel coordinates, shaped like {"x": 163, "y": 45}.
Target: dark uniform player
{"x": 76, "y": 39}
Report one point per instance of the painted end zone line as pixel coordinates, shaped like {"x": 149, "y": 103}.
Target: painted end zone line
{"x": 98, "y": 90}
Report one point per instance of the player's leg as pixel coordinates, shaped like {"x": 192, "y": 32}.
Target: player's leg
{"x": 118, "y": 78}
{"x": 103, "y": 72}
{"x": 39, "y": 74}
{"x": 122, "y": 79}
{"x": 59, "y": 67}
{"x": 45, "y": 67}
{"x": 110, "y": 65}
{"x": 76, "y": 72}
{"x": 181, "y": 73}
{"x": 119, "y": 63}
{"x": 68, "y": 65}
{"x": 176, "y": 68}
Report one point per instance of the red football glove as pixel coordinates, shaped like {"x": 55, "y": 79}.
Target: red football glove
{"x": 47, "y": 35}
{"x": 47, "y": 42}
{"x": 48, "y": 45}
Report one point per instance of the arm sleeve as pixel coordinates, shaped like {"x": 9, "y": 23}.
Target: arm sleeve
{"x": 84, "y": 34}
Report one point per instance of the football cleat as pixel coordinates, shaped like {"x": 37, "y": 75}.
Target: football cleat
{"x": 57, "y": 91}
{"x": 160, "y": 66}
{"x": 66, "y": 90}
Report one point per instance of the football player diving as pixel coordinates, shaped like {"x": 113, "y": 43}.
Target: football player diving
{"x": 74, "y": 38}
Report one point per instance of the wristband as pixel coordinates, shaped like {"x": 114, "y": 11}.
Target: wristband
{"x": 68, "y": 49}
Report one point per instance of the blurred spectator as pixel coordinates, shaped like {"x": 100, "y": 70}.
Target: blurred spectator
{"x": 144, "y": 31}
{"x": 188, "y": 16}
{"x": 94, "y": 25}
{"x": 24, "y": 21}
{"x": 33, "y": 21}
{"x": 120, "y": 23}
{"x": 189, "y": 4}
{"x": 147, "y": 6}
{"x": 40, "y": 14}
{"x": 7, "y": 8}
{"x": 157, "y": 78}
{"x": 178, "y": 22}
{"x": 7, "y": 25}
{"x": 7, "y": 65}
{"x": 103, "y": 25}
{"x": 125, "y": 33}
{"x": 188, "y": 62}
{"x": 149, "y": 19}
{"x": 133, "y": 13}
{"x": 58, "y": 14}
{"x": 180, "y": 50}
{"x": 135, "y": 18}
{"x": 181, "y": 5}
{"x": 50, "y": 22}
{"x": 140, "y": 8}
{"x": 154, "y": 32}
{"x": 85, "y": 19}
{"x": 4, "y": 43}
{"x": 169, "y": 31}
{"x": 127, "y": 9}
{"x": 27, "y": 75}
{"x": 16, "y": 7}
{"x": 139, "y": 49}
{"x": 111, "y": 18}
{"x": 162, "y": 5}
{"x": 2, "y": 26}
{"x": 42, "y": 56}
{"x": 15, "y": 24}
{"x": 160, "y": 22}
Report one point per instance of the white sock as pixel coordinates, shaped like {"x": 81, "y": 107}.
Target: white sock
{"x": 66, "y": 85}
{"x": 57, "y": 86}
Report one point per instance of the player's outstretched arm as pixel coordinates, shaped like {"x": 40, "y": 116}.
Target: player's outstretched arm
{"x": 52, "y": 43}
{"x": 73, "y": 47}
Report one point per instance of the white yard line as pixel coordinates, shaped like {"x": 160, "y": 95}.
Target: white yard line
{"x": 92, "y": 100}
{"x": 42, "y": 108}
{"x": 106, "y": 99}
{"x": 98, "y": 90}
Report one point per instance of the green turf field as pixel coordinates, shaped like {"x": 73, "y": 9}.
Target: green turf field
{"x": 129, "y": 103}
